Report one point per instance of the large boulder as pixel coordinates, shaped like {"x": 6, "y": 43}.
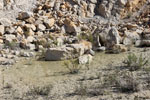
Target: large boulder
{"x": 59, "y": 53}
{"x": 113, "y": 38}
{"x": 67, "y": 51}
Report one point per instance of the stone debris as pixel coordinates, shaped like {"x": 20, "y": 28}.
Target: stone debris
{"x": 47, "y": 24}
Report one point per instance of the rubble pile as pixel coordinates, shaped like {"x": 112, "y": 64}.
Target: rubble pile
{"x": 57, "y": 24}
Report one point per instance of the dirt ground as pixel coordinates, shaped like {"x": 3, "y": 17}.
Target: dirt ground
{"x": 30, "y": 79}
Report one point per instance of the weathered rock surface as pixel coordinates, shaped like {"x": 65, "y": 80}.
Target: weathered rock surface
{"x": 66, "y": 52}
{"x": 61, "y": 53}
{"x": 85, "y": 59}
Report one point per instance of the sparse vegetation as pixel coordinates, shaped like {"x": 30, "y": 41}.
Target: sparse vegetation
{"x": 127, "y": 83}
{"x": 40, "y": 90}
{"x": 86, "y": 36}
{"x": 90, "y": 90}
{"x": 12, "y": 45}
{"x": 133, "y": 62}
{"x": 73, "y": 66}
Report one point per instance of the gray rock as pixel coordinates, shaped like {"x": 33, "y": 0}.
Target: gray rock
{"x": 112, "y": 37}
{"x": 65, "y": 52}
{"x": 9, "y": 37}
{"x": 122, "y": 2}
{"x": 85, "y": 59}
{"x": 26, "y": 54}
{"x": 79, "y": 48}
{"x": 132, "y": 35}
{"x": 59, "y": 53}
{"x": 90, "y": 52}
{"x": 31, "y": 46}
{"x": 103, "y": 10}
{"x": 41, "y": 27}
{"x": 30, "y": 39}
{"x": 91, "y": 8}
{"x": 5, "y": 22}
{"x": 101, "y": 48}
{"x": 49, "y": 22}
{"x": 140, "y": 43}
{"x": 2, "y": 29}
{"x": 24, "y": 15}
{"x": 10, "y": 30}
{"x": 127, "y": 41}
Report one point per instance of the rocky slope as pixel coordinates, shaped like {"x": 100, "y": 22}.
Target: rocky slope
{"x": 42, "y": 24}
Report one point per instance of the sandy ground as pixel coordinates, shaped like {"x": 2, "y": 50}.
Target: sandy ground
{"x": 28, "y": 79}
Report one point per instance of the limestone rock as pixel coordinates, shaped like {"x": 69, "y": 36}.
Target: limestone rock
{"x": 85, "y": 59}
{"x": 41, "y": 27}
{"x": 141, "y": 43}
{"x": 28, "y": 32}
{"x": 20, "y": 30}
{"x": 2, "y": 29}
{"x": 103, "y": 10}
{"x": 5, "y": 22}
{"x": 49, "y": 22}
{"x": 61, "y": 53}
{"x": 112, "y": 38}
{"x": 71, "y": 27}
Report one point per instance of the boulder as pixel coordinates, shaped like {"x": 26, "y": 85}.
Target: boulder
{"x": 85, "y": 59}
{"x": 59, "y": 53}
{"x": 132, "y": 36}
{"x": 112, "y": 38}
{"x": 71, "y": 27}
{"x": 140, "y": 43}
{"x": 78, "y": 48}
{"x": 66, "y": 52}
{"x": 49, "y": 22}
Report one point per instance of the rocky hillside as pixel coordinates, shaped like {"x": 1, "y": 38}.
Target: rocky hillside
{"x": 72, "y": 28}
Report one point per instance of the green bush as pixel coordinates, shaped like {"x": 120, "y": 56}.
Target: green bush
{"x": 86, "y": 36}
{"x": 133, "y": 62}
{"x": 72, "y": 65}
